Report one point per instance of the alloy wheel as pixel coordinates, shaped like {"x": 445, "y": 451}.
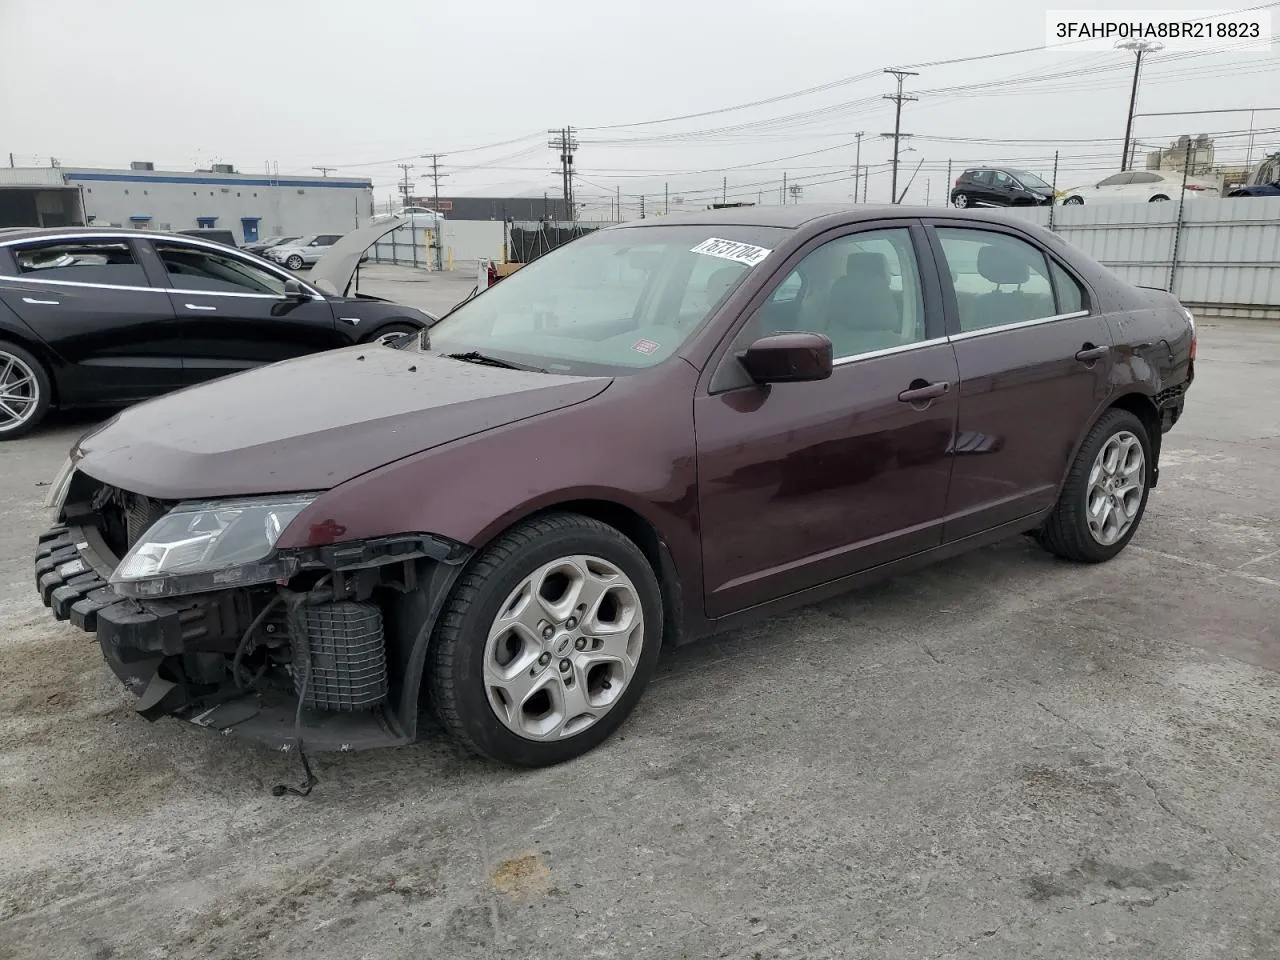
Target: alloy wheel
{"x": 961, "y": 200}
{"x": 563, "y": 648}
{"x": 1117, "y": 482}
{"x": 294, "y": 262}
{"x": 19, "y": 392}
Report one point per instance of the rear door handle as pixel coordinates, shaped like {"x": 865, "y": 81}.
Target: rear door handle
{"x": 196, "y": 306}
{"x": 51, "y": 303}
{"x": 1090, "y": 353}
{"x": 920, "y": 391}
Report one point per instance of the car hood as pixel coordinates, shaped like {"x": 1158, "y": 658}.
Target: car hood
{"x": 314, "y": 422}
{"x": 333, "y": 271}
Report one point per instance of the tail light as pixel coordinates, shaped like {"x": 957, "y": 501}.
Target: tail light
{"x": 1193, "y": 186}
{"x": 958, "y": 179}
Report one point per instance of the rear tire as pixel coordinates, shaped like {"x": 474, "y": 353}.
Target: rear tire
{"x": 25, "y": 391}
{"x": 1084, "y": 526}
{"x": 1075, "y": 201}
{"x": 294, "y": 263}
{"x": 1157, "y": 198}
{"x": 960, "y": 200}
{"x": 532, "y": 693}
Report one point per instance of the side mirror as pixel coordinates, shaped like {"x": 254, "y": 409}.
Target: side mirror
{"x": 293, "y": 290}
{"x": 788, "y": 358}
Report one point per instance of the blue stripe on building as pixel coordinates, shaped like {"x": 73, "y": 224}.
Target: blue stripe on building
{"x": 225, "y": 180}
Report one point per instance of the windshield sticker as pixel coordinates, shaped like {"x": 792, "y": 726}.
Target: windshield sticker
{"x": 731, "y": 250}
{"x": 645, "y": 346}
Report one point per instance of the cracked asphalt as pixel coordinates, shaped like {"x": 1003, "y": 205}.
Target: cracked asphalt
{"x": 1004, "y": 756}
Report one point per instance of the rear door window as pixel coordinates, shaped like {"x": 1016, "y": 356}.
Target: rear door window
{"x": 997, "y": 279}
{"x": 109, "y": 262}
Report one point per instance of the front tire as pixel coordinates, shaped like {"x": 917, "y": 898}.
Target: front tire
{"x": 1157, "y": 198}
{"x": 546, "y": 642}
{"x": 1075, "y": 201}
{"x": 1103, "y": 501}
{"x": 25, "y": 391}
{"x": 294, "y": 263}
{"x": 390, "y": 333}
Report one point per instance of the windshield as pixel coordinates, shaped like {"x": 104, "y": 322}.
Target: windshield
{"x": 611, "y": 302}
{"x": 1030, "y": 179}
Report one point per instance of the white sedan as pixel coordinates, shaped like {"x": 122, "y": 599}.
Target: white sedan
{"x": 1140, "y": 186}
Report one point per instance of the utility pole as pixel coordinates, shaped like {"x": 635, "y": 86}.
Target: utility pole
{"x": 1139, "y": 47}
{"x": 666, "y": 199}
{"x": 617, "y": 190}
{"x": 404, "y": 184}
{"x": 564, "y": 141}
{"x": 898, "y": 99}
{"x": 857, "y": 166}
{"x": 435, "y": 176}
{"x": 11, "y": 161}
{"x": 783, "y": 193}
{"x": 642, "y": 206}
{"x": 724, "y": 191}
{"x": 324, "y": 171}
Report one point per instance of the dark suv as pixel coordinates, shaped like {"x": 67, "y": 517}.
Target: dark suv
{"x": 1000, "y": 187}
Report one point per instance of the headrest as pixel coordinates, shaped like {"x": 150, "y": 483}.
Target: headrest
{"x": 867, "y": 266}
{"x": 998, "y": 265}
{"x": 720, "y": 281}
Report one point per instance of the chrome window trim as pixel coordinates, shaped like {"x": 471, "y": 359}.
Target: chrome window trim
{"x": 28, "y": 278}
{"x": 887, "y": 351}
{"x": 155, "y": 237}
{"x": 1020, "y": 325}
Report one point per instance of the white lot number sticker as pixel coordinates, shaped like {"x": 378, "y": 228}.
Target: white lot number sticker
{"x": 732, "y": 250}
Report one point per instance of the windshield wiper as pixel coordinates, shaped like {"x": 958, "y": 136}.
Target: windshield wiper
{"x": 475, "y": 356}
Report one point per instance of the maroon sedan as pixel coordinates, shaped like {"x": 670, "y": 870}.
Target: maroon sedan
{"x": 660, "y": 430}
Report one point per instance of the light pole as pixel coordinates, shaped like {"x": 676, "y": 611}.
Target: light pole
{"x": 1139, "y": 47}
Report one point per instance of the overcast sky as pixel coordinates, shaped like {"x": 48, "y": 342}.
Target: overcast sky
{"x": 362, "y": 85}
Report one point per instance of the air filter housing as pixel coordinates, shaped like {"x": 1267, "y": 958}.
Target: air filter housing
{"x": 348, "y": 657}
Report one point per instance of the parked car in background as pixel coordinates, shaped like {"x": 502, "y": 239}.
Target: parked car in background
{"x": 224, "y": 237}
{"x": 97, "y": 317}
{"x": 1000, "y": 187}
{"x": 260, "y": 247}
{"x": 295, "y": 553}
{"x": 303, "y": 252}
{"x": 1256, "y": 190}
{"x": 1140, "y": 186}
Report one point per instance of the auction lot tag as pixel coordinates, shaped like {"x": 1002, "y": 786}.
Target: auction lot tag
{"x": 731, "y": 250}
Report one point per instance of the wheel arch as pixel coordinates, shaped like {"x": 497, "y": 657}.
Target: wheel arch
{"x": 1140, "y": 405}
{"x": 1145, "y": 409}
{"x": 52, "y": 364}
{"x": 633, "y": 525}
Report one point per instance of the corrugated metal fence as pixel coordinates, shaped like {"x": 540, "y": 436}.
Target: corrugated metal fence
{"x": 1223, "y": 255}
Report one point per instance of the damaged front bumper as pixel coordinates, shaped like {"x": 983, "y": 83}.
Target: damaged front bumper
{"x": 361, "y": 640}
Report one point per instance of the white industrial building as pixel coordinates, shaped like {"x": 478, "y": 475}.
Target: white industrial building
{"x": 251, "y": 206}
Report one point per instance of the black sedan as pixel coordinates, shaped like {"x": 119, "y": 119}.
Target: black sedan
{"x": 107, "y": 317}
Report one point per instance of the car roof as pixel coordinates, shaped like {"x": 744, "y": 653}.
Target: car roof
{"x": 796, "y": 216}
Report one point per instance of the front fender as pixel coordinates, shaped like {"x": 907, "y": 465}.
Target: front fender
{"x": 631, "y": 445}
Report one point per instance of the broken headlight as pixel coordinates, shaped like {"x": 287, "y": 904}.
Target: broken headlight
{"x": 210, "y": 545}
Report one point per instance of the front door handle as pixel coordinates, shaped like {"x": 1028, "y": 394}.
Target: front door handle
{"x": 921, "y": 391}
{"x": 197, "y": 306}
{"x": 1089, "y": 353}
{"x": 50, "y": 303}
